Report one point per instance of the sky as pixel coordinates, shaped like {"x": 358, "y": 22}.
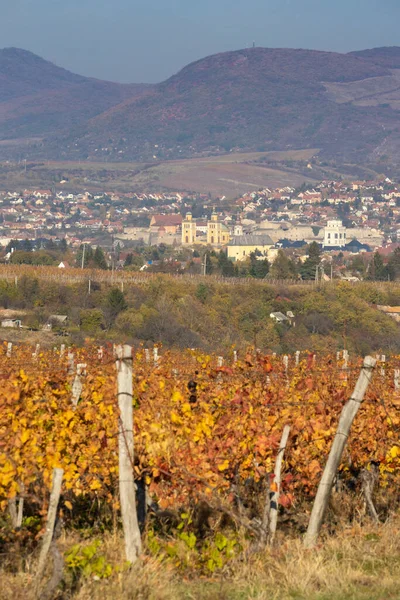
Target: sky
{"x": 149, "y": 40}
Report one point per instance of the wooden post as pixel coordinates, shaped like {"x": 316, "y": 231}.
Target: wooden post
{"x": 51, "y": 519}
{"x": 77, "y": 384}
{"x": 147, "y": 355}
{"x": 397, "y": 379}
{"x": 273, "y": 511}
{"x": 297, "y": 357}
{"x": 62, "y": 350}
{"x": 220, "y": 361}
{"x": 235, "y": 356}
{"x": 100, "y": 353}
{"x": 155, "y": 355}
{"x": 9, "y": 349}
{"x": 133, "y": 543}
{"x": 383, "y": 360}
{"x": 347, "y": 416}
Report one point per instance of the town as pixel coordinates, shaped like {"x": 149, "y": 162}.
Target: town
{"x": 349, "y": 222}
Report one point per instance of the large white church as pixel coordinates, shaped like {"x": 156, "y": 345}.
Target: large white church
{"x": 335, "y": 235}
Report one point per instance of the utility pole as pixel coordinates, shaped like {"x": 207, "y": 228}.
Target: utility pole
{"x": 83, "y": 256}
{"x": 205, "y": 264}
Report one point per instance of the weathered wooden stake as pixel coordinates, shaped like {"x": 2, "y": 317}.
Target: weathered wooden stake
{"x": 347, "y": 416}
{"x": 51, "y": 519}
{"x": 62, "y": 350}
{"x": 273, "y": 510}
{"x": 133, "y": 543}
{"x": 77, "y": 384}
{"x": 147, "y": 355}
{"x": 297, "y": 357}
{"x": 9, "y": 349}
{"x": 397, "y": 379}
{"x": 155, "y": 355}
{"x": 235, "y": 356}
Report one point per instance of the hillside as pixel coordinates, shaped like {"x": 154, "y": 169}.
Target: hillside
{"x": 37, "y": 97}
{"x": 256, "y": 99}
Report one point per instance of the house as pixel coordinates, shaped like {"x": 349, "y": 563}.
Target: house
{"x": 241, "y": 246}
{"x": 279, "y": 317}
{"x": 63, "y": 265}
{"x": 14, "y": 323}
{"x": 56, "y": 321}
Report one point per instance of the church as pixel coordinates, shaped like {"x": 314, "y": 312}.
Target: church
{"x": 218, "y": 234}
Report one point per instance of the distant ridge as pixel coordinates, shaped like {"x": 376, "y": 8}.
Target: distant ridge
{"x": 348, "y": 105}
{"x": 37, "y": 97}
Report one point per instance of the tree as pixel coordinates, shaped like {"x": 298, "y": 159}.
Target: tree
{"x": 63, "y": 246}
{"x": 99, "y": 258}
{"x": 309, "y": 268}
{"x": 394, "y": 265}
{"x": 377, "y": 270}
{"x": 225, "y": 265}
{"x": 258, "y": 268}
{"x": 283, "y": 267}
{"x": 115, "y": 304}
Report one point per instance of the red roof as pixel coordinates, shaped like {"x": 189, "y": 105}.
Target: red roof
{"x": 166, "y": 220}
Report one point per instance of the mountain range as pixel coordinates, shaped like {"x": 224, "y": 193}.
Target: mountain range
{"x": 347, "y": 105}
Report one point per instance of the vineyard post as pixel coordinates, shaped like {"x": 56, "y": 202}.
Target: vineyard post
{"x": 273, "y": 510}
{"x": 397, "y": 379}
{"x": 347, "y": 416}
{"x": 297, "y": 355}
{"x": 133, "y": 544}
{"x": 9, "y": 349}
{"x": 383, "y": 360}
{"x": 62, "y": 350}
{"x": 77, "y": 384}
{"x": 147, "y": 354}
{"x": 51, "y": 519}
{"x": 155, "y": 355}
{"x": 235, "y": 356}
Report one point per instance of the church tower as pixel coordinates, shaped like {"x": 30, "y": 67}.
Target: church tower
{"x": 188, "y": 230}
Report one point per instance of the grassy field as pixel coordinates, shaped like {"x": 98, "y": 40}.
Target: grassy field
{"x": 359, "y": 564}
{"x": 229, "y": 175}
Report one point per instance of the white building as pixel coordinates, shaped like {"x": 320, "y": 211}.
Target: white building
{"x": 334, "y": 235}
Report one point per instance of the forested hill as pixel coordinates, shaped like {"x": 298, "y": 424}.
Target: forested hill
{"x": 206, "y": 314}
{"x": 37, "y": 97}
{"x": 253, "y": 99}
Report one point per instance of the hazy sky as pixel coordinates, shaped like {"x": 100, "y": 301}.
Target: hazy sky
{"x": 149, "y": 40}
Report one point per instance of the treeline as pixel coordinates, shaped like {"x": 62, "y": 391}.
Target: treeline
{"x": 214, "y": 316}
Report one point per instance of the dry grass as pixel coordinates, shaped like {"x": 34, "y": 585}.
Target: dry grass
{"x": 360, "y": 563}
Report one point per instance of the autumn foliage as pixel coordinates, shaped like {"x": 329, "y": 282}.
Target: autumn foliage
{"x": 187, "y": 449}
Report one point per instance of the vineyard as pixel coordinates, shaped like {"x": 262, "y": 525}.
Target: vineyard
{"x": 207, "y": 438}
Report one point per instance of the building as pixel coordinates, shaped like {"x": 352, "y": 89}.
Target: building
{"x": 334, "y": 235}
{"x": 240, "y": 247}
{"x": 169, "y": 224}
{"x": 188, "y": 230}
{"x": 14, "y": 323}
{"x": 217, "y": 233}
